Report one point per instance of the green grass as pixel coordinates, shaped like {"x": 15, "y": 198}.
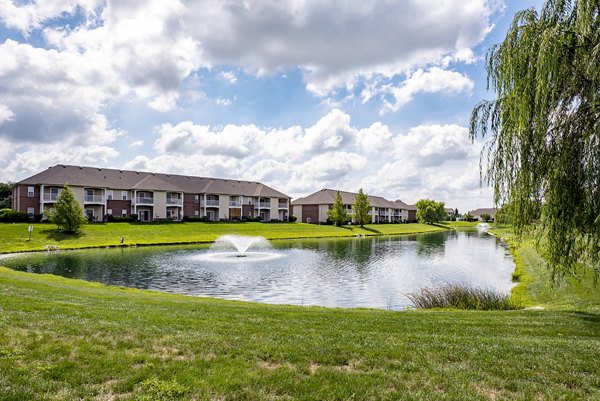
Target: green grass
{"x": 67, "y": 339}
{"x": 535, "y": 286}
{"x": 15, "y": 238}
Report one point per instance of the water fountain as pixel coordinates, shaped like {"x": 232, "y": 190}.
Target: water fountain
{"x": 234, "y": 247}
{"x": 483, "y": 227}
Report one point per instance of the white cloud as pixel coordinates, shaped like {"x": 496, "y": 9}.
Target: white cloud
{"x": 229, "y": 76}
{"x": 6, "y": 114}
{"x": 434, "y": 80}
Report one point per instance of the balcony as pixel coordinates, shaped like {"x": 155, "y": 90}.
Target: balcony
{"x": 144, "y": 201}
{"x": 93, "y": 199}
{"x": 283, "y": 205}
{"x": 264, "y": 205}
{"x": 233, "y": 203}
{"x": 211, "y": 203}
{"x": 50, "y": 197}
{"x": 174, "y": 202}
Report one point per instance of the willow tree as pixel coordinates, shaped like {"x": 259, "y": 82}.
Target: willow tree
{"x": 543, "y": 129}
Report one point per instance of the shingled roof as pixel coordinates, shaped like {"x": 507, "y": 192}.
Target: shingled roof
{"x": 61, "y": 174}
{"x": 327, "y": 197}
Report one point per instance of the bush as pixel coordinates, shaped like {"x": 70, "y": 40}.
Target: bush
{"x": 293, "y": 219}
{"x": 119, "y": 219}
{"x": 134, "y": 216}
{"x": 12, "y": 216}
{"x": 251, "y": 219}
{"x": 461, "y": 296}
{"x": 195, "y": 219}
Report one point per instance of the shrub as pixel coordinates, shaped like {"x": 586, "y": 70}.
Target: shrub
{"x": 12, "y": 216}
{"x": 134, "y": 216}
{"x": 461, "y": 296}
{"x": 195, "y": 219}
{"x": 119, "y": 219}
{"x": 293, "y": 219}
{"x": 251, "y": 219}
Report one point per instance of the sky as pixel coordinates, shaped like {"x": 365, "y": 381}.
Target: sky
{"x": 298, "y": 94}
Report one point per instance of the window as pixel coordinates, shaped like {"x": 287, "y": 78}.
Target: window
{"x": 124, "y": 195}
{"x": 30, "y": 211}
{"x": 109, "y": 194}
{"x": 196, "y": 198}
{"x": 30, "y": 192}
{"x": 124, "y": 212}
{"x": 109, "y": 212}
{"x": 195, "y": 213}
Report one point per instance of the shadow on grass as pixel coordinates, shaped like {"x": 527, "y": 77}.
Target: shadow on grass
{"x": 372, "y": 230}
{"x": 588, "y": 316}
{"x": 55, "y": 235}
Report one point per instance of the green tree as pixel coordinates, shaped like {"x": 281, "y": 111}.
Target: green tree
{"x": 5, "y": 195}
{"x": 361, "y": 208}
{"x": 430, "y": 211}
{"x": 485, "y": 217}
{"x": 545, "y": 128}
{"x": 337, "y": 214}
{"x": 68, "y": 214}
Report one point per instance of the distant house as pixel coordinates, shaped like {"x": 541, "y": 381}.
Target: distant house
{"x": 449, "y": 211}
{"x": 478, "y": 212}
{"x": 150, "y": 196}
{"x": 313, "y": 208}
{"x": 411, "y": 210}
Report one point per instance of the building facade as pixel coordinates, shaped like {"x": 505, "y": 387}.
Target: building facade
{"x": 313, "y": 208}
{"x": 151, "y": 196}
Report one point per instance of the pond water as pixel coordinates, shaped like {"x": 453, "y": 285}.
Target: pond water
{"x": 375, "y": 272}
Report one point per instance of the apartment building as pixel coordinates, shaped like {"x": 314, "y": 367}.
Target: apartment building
{"x": 151, "y": 196}
{"x": 313, "y": 208}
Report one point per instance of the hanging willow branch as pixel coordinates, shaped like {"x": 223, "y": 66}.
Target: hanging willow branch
{"x": 544, "y": 129}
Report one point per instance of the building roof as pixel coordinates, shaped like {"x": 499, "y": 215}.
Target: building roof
{"x": 327, "y": 197}
{"x": 61, "y": 174}
{"x": 478, "y": 212}
{"x": 405, "y": 205}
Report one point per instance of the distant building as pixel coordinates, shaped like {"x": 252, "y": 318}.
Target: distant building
{"x": 151, "y": 196}
{"x": 313, "y": 208}
{"x": 478, "y": 212}
{"x": 411, "y": 209}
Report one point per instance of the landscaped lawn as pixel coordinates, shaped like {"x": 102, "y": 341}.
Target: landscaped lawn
{"x": 15, "y": 238}
{"x": 65, "y": 339}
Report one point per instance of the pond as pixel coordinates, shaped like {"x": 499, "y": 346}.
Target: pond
{"x": 374, "y": 272}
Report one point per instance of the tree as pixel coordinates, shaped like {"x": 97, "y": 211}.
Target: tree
{"x": 485, "y": 217}
{"x": 337, "y": 214}
{"x": 5, "y": 195}
{"x": 545, "y": 128}
{"x": 430, "y": 211}
{"x": 68, "y": 214}
{"x": 361, "y": 208}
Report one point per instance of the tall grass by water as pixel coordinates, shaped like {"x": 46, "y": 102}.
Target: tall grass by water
{"x": 461, "y": 296}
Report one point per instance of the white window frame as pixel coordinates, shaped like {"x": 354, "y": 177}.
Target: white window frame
{"x": 30, "y": 192}
{"x": 31, "y": 211}
{"x": 109, "y": 194}
{"x": 124, "y": 212}
{"x": 109, "y": 212}
{"x": 124, "y": 195}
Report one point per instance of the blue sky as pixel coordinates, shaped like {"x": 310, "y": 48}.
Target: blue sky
{"x": 297, "y": 94}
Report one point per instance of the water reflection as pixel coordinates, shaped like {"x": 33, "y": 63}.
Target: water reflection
{"x": 367, "y": 272}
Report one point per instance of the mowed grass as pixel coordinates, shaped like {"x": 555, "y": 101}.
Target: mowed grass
{"x": 15, "y": 237}
{"x": 67, "y": 339}
{"x": 535, "y": 285}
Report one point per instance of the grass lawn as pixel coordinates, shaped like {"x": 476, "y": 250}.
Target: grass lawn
{"x": 15, "y": 238}
{"x": 67, "y": 339}
{"x": 535, "y": 281}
